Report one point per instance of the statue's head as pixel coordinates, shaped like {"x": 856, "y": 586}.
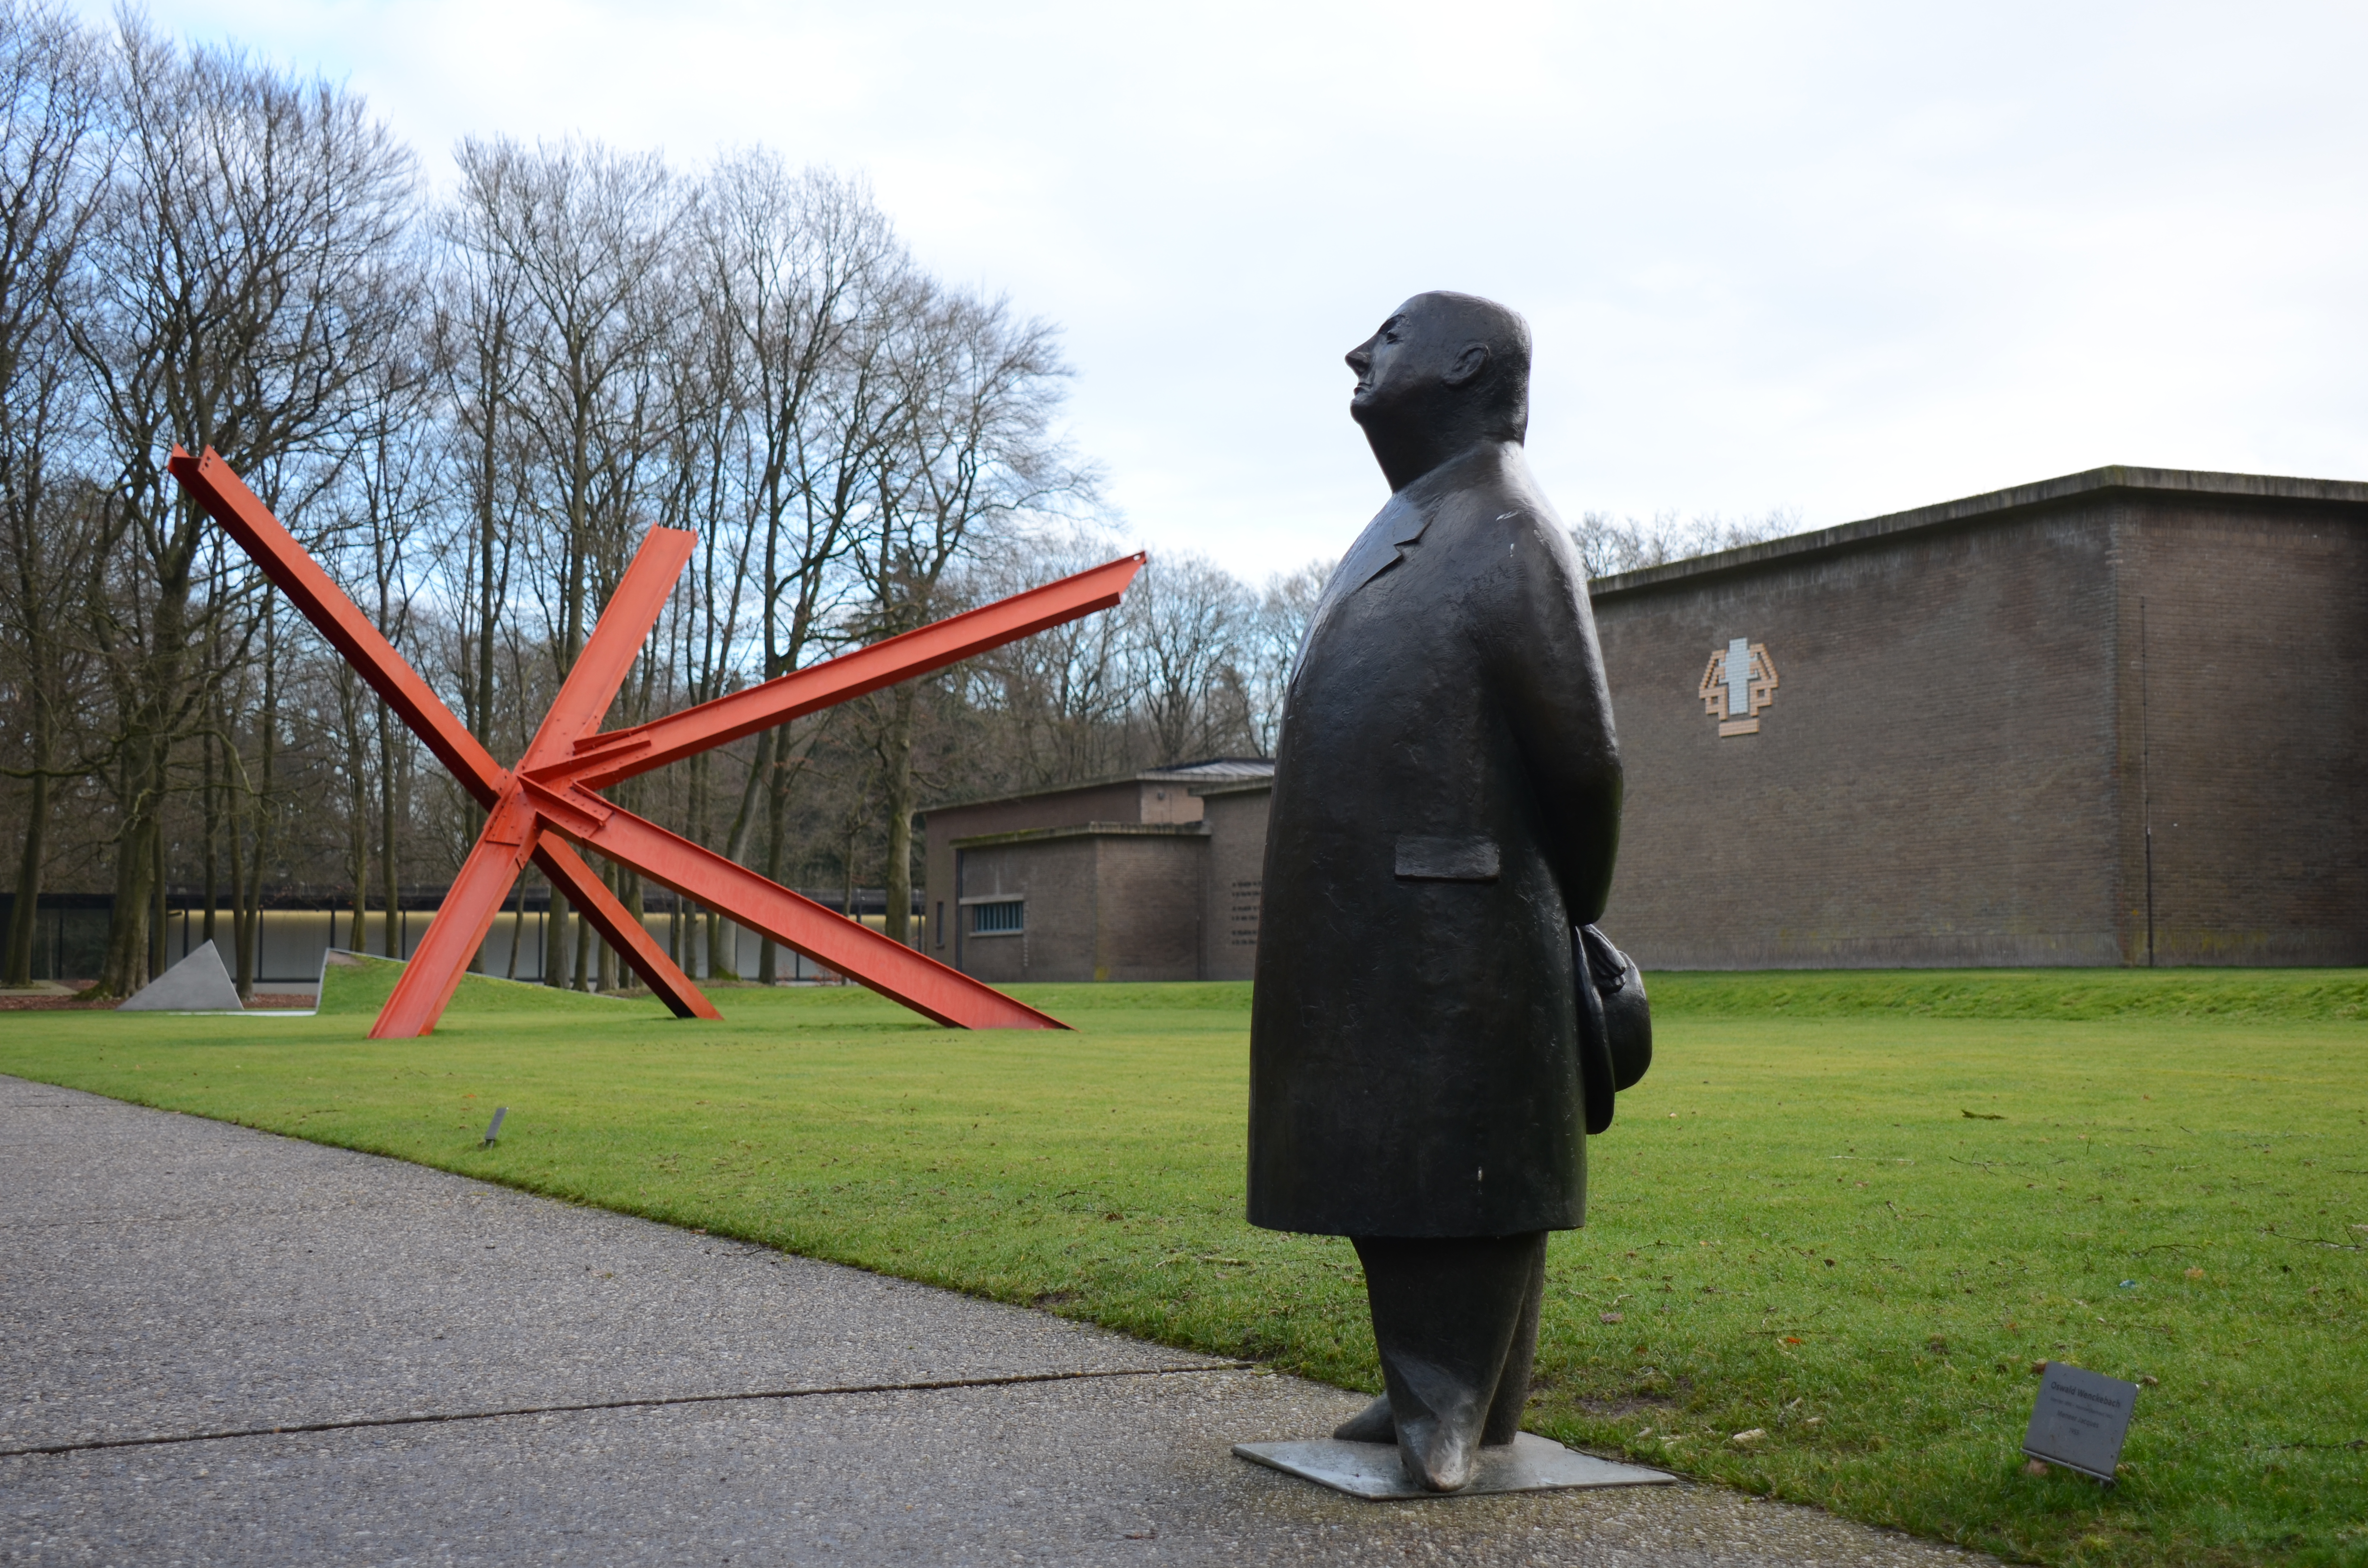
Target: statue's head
{"x": 1445, "y": 370}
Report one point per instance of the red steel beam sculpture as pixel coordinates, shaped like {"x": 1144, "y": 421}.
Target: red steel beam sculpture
{"x": 551, "y": 798}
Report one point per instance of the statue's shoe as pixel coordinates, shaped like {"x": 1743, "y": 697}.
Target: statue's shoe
{"x": 1375, "y": 1423}
{"x": 1437, "y": 1458}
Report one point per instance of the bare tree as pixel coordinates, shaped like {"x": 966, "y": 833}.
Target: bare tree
{"x": 52, "y": 82}
{"x": 1610, "y": 545}
{"x": 1286, "y": 609}
{"x": 972, "y": 457}
{"x": 806, "y": 272}
{"x": 752, "y": 355}
{"x": 1056, "y": 707}
{"x": 583, "y": 235}
{"x": 1189, "y": 625}
{"x": 245, "y": 271}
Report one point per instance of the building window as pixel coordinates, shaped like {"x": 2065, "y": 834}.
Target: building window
{"x": 998, "y": 919}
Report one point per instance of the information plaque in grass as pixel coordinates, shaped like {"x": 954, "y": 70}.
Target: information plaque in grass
{"x": 1830, "y": 1235}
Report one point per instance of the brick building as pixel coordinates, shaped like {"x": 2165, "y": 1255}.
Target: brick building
{"x": 2094, "y": 720}
{"x": 1147, "y": 876}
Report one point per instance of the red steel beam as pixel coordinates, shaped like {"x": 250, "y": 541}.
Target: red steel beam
{"x": 275, "y": 551}
{"x": 458, "y": 929}
{"x": 551, "y": 790}
{"x": 246, "y": 519}
{"x": 617, "y": 926}
{"x": 511, "y": 833}
{"x": 601, "y": 760}
{"x": 616, "y": 642}
{"x": 868, "y": 956}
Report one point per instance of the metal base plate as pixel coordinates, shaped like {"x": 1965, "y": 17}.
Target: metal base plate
{"x": 1529, "y": 1464}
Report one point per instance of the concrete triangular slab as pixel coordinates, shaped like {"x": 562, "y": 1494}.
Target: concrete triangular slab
{"x": 1529, "y": 1464}
{"x": 198, "y": 984}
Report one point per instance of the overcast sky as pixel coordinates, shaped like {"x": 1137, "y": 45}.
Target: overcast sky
{"x": 1839, "y": 258}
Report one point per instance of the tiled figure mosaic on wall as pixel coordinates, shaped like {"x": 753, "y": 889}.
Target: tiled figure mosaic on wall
{"x": 1739, "y": 682}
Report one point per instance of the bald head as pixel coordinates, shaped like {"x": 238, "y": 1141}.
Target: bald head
{"x": 1445, "y": 370}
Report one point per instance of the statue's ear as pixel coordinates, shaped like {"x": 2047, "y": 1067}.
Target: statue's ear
{"x": 1468, "y": 365}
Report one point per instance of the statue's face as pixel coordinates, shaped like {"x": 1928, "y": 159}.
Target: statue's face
{"x": 1388, "y": 364}
{"x": 1422, "y": 347}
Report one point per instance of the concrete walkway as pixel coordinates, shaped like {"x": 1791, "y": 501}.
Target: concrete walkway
{"x": 217, "y": 1346}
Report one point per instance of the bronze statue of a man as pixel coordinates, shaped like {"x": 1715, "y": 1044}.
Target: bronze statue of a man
{"x": 1446, "y": 808}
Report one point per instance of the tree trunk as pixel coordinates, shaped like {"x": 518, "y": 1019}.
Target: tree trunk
{"x": 250, "y": 949}
{"x": 899, "y": 790}
{"x": 580, "y": 977}
{"x": 250, "y": 903}
{"x": 156, "y": 954}
{"x": 848, "y": 907}
{"x": 635, "y": 906}
{"x": 554, "y": 940}
{"x": 124, "y": 968}
{"x": 238, "y": 881}
{"x": 614, "y": 880}
{"x": 134, "y": 942}
{"x": 518, "y": 926}
{"x": 356, "y": 805}
{"x": 777, "y": 813}
{"x": 209, "y": 808}
{"x": 23, "y": 914}
{"x": 723, "y": 935}
{"x": 390, "y": 884}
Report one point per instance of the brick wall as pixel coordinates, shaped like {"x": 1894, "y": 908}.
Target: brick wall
{"x": 1119, "y": 801}
{"x": 1147, "y": 917}
{"x": 1955, "y": 768}
{"x": 1102, "y": 902}
{"x": 1229, "y": 922}
{"x": 2237, "y": 719}
{"x": 1055, "y": 876}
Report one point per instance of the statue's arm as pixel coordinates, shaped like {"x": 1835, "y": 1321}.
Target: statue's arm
{"x": 1548, "y": 671}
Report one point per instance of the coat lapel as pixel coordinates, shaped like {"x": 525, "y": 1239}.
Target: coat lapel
{"x": 1382, "y": 544}
{"x": 1379, "y": 548}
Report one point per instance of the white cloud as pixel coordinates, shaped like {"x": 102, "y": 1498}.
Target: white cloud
{"x": 1844, "y": 257}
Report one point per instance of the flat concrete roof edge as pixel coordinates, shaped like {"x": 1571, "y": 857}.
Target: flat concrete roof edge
{"x": 1233, "y": 787}
{"x": 1991, "y": 503}
{"x": 1181, "y": 774}
{"x": 1090, "y": 830}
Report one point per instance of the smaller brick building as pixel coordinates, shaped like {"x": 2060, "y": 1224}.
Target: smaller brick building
{"x": 1146, "y": 876}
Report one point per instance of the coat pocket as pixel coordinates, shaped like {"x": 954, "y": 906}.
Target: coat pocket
{"x": 1446, "y": 859}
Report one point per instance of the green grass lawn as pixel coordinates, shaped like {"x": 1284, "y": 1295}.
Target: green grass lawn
{"x": 1796, "y": 1226}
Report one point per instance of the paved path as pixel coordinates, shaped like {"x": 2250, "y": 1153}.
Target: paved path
{"x": 217, "y": 1346}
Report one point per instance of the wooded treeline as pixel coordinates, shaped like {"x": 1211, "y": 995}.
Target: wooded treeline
{"x": 471, "y": 406}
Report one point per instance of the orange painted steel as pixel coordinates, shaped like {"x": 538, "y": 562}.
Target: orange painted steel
{"x": 600, "y": 760}
{"x": 888, "y": 966}
{"x": 512, "y": 834}
{"x": 549, "y": 798}
{"x": 247, "y": 520}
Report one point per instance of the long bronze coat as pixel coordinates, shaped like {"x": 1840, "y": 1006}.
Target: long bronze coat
{"x": 1446, "y": 805}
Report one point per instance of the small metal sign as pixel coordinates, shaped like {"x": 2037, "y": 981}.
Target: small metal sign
{"x": 2080, "y": 1420}
{"x": 494, "y": 1131}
